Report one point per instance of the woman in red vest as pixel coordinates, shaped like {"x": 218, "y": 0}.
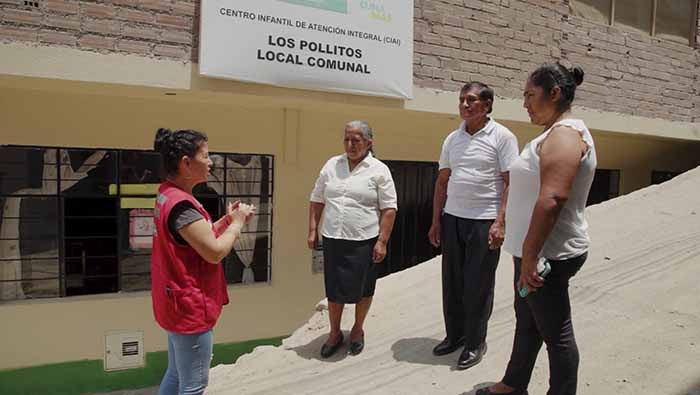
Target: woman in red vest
{"x": 188, "y": 284}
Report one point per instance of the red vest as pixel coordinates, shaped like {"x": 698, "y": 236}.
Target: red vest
{"x": 187, "y": 291}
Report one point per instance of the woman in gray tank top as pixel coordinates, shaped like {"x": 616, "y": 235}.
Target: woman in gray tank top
{"x": 549, "y": 186}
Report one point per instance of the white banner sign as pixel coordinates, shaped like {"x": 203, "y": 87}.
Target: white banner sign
{"x": 354, "y": 46}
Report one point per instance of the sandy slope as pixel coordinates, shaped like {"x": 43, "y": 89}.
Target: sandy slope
{"x": 636, "y": 313}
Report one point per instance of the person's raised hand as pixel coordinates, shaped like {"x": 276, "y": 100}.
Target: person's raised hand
{"x": 242, "y": 214}
{"x": 230, "y": 207}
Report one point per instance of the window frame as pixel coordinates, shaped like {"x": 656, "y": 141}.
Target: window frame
{"x": 692, "y": 40}
{"x": 266, "y": 195}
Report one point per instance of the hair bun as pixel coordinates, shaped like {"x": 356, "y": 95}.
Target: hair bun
{"x": 577, "y": 73}
{"x": 163, "y": 136}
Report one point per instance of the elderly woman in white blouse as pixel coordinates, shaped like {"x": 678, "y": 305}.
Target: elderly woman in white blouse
{"x": 356, "y": 194}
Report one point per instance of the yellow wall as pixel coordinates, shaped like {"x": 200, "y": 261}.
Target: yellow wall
{"x": 72, "y": 64}
{"x": 634, "y": 155}
{"x": 300, "y": 134}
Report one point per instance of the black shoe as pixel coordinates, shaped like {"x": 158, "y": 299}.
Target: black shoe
{"x": 469, "y": 358}
{"x": 327, "y": 351}
{"x": 357, "y": 346}
{"x": 487, "y": 391}
{"x": 447, "y": 346}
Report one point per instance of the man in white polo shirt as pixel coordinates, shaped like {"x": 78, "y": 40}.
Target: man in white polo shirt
{"x": 469, "y": 220}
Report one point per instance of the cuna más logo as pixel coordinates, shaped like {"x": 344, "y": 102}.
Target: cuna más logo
{"x": 340, "y": 6}
{"x": 376, "y": 10}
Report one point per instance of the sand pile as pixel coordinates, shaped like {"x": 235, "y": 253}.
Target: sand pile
{"x": 636, "y": 308}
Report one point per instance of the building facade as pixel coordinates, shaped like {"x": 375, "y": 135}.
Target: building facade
{"x": 84, "y": 85}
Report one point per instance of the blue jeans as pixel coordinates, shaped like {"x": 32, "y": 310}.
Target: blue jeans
{"x": 189, "y": 357}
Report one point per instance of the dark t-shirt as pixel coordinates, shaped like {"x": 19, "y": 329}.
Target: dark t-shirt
{"x": 182, "y": 214}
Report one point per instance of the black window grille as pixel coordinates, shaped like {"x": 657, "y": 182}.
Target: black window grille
{"x": 660, "y": 176}
{"x": 409, "y": 245}
{"x": 605, "y": 186}
{"x": 77, "y": 221}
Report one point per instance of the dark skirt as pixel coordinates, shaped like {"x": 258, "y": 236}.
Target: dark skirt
{"x": 348, "y": 270}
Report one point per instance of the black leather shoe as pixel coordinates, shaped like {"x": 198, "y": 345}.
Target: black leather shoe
{"x": 487, "y": 391}
{"x": 447, "y": 346}
{"x": 327, "y": 351}
{"x": 469, "y": 358}
{"x": 357, "y": 346}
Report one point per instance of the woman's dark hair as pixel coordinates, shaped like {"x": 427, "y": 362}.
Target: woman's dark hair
{"x": 550, "y": 75}
{"x": 174, "y": 145}
{"x": 485, "y": 92}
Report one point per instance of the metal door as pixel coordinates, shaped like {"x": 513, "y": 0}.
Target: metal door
{"x": 409, "y": 245}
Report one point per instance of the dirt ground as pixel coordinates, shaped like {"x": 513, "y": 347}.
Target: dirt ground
{"x": 636, "y": 309}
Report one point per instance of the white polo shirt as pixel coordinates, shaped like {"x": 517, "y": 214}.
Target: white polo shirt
{"x": 353, "y": 200}
{"x": 476, "y": 162}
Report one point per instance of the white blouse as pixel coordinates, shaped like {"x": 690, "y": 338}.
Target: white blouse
{"x": 353, "y": 200}
{"x": 569, "y": 237}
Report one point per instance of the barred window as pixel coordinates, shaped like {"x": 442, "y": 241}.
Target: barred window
{"x": 676, "y": 20}
{"x": 673, "y": 20}
{"x": 593, "y": 10}
{"x": 77, "y": 221}
{"x": 633, "y": 14}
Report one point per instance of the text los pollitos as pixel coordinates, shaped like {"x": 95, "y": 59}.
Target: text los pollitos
{"x": 348, "y": 62}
